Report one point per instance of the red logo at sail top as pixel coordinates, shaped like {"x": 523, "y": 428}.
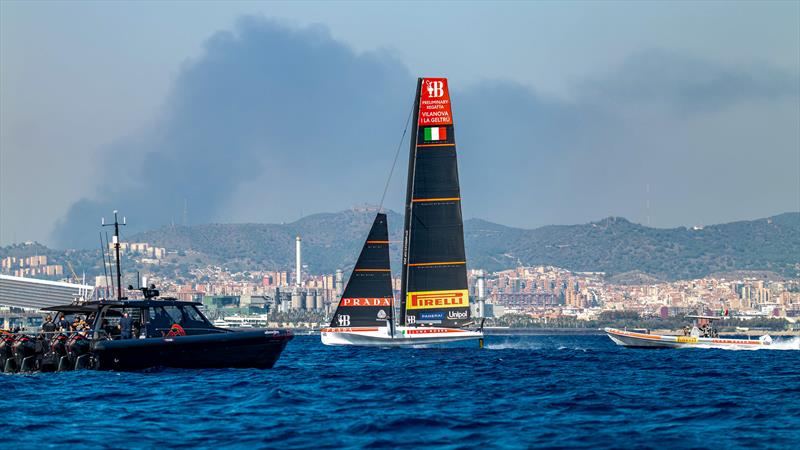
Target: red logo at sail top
{"x": 434, "y": 103}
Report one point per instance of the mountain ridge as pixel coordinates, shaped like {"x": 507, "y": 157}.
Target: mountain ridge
{"x": 613, "y": 245}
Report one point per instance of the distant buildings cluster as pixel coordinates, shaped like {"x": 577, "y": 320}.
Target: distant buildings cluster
{"x": 146, "y": 253}
{"x": 542, "y": 293}
{"x": 31, "y": 266}
{"x": 550, "y": 292}
{"x": 526, "y": 288}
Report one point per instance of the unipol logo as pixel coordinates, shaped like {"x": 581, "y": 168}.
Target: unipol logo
{"x": 343, "y": 320}
{"x": 435, "y": 88}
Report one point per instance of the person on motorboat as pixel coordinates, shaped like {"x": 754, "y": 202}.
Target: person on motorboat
{"x": 108, "y": 330}
{"x": 63, "y": 323}
{"x": 125, "y": 326}
{"x": 48, "y": 326}
{"x": 161, "y": 323}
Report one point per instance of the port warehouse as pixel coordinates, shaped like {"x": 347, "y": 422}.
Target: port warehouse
{"x": 21, "y": 296}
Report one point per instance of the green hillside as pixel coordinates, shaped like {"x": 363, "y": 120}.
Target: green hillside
{"x": 614, "y": 245}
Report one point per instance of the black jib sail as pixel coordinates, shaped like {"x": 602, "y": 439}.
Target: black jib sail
{"x": 434, "y": 276}
{"x": 368, "y": 298}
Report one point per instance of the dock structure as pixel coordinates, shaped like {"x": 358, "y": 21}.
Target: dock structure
{"x": 35, "y": 294}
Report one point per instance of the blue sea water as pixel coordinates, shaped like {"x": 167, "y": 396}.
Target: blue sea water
{"x": 518, "y": 392}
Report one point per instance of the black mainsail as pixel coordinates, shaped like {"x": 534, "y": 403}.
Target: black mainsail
{"x": 434, "y": 275}
{"x": 368, "y": 299}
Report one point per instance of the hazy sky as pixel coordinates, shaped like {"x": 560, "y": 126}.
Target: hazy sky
{"x": 565, "y": 112}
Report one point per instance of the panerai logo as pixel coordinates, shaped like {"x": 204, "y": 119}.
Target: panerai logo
{"x": 435, "y": 88}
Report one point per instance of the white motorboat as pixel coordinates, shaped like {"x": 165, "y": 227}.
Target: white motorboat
{"x": 701, "y": 335}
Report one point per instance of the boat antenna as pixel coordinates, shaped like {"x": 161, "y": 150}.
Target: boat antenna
{"x": 111, "y": 272}
{"x": 396, "y": 154}
{"x": 116, "y": 225}
{"x": 103, "y": 255}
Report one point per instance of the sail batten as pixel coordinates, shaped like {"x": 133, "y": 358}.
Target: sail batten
{"x": 434, "y": 279}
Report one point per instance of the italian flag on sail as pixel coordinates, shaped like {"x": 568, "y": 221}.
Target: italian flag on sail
{"x": 435, "y": 133}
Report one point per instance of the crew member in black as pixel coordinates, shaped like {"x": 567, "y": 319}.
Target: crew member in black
{"x": 125, "y": 326}
{"x": 48, "y": 326}
{"x": 161, "y": 323}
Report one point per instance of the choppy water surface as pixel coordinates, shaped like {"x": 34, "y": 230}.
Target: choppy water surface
{"x": 553, "y": 391}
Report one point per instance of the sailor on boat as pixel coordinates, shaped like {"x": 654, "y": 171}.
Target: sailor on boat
{"x": 434, "y": 295}
{"x": 701, "y": 335}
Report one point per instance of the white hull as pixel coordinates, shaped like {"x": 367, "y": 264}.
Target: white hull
{"x": 403, "y": 336}
{"x": 633, "y": 339}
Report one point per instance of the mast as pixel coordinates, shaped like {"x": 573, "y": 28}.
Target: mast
{"x": 434, "y": 277}
{"x": 116, "y": 225}
{"x": 412, "y": 155}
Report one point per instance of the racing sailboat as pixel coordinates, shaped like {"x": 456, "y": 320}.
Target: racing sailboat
{"x": 434, "y": 295}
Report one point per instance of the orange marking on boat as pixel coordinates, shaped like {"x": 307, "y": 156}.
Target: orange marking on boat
{"x": 443, "y": 199}
{"x": 652, "y": 337}
{"x": 434, "y": 331}
{"x": 436, "y": 263}
{"x": 735, "y": 341}
{"x": 436, "y": 145}
{"x": 377, "y": 242}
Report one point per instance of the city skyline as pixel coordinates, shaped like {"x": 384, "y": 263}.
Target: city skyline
{"x": 671, "y": 128}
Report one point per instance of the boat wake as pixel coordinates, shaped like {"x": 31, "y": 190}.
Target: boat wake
{"x": 785, "y": 344}
{"x": 514, "y": 345}
{"x": 777, "y": 344}
{"x": 527, "y": 345}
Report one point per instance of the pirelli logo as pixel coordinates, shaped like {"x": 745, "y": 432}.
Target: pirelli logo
{"x": 438, "y": 299}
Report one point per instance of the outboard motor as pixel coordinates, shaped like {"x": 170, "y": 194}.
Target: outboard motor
{"x": 59, "y": 353}
{"x": 79, "y": 349}
{"x": 25, "y": 353}
{"x": 7, "y": 363}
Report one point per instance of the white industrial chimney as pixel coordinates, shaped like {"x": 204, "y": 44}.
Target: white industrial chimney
{"x": 298, "y": 262}
{"x": 481, "y": 288}
{"x": 338, "y": 284}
